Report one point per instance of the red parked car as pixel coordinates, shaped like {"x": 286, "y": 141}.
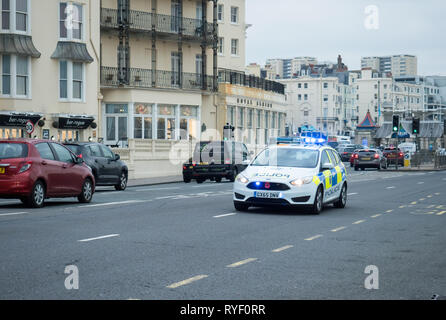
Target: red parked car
{"x": 393, "y": 155}
{"x": 355, "y": 155}
{"x": 34, "y": 170}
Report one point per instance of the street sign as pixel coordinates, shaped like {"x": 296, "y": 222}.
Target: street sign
{"x": 29, "y": 127}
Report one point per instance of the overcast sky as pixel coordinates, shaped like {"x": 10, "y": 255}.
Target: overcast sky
{"x": 326, "y": 28}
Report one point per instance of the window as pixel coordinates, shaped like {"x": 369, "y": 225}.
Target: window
{"x": 325, "y": 97}
{"x": 108, "y": 154}
{"x": 62, "y": 153}
{"x": 299, "y": 97}
{"x": 220, "y": 12}
{"x": 234, "y": 47}
{"x": 305, "y": 97}
{"x": 15, "y": 76}
{"x": 71, "y": 80}
{"x": 234, "y": 14}
{"x": 70, "y": 21}
{"x": 250, "y": 118}
{"x": 305, "y": 85}
{"x": 95, "y": 151}
{"x": 166, "y": 122}
{"x": 175, "y": 59}
{"x": 15, "y": 16}
{"x": 45, "y": 151}
{"x": 299, "y": 85}
{"x": 189, "y": 125}
{"x": 142, "y": 121}
{"x": 221, "y": 43}
{"x": 325, "y": 85}
{"x": 306, "y": 113}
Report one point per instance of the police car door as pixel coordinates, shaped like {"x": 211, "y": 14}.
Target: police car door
{"x": 336, "y": 173}
{"x": 327, "y": 177}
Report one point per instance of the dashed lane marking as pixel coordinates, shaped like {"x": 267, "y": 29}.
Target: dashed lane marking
{"x": 403, "y": 206}
{"x": 171, "y": 188}
{"x": 352, "y": 194}
{"x": 240, "y": 263}
{"x": 421, "y": 182}
{"x": 225, "y": 215}
{"x": 358, "y": 222}
{"x": 441, "y": 213}
{"x": 112, "y": 203}
{"x": 422, "y": 199}
{"x": 12, "y": 214}
{"x": 282, "y": 248}
{"x": 389, "y": 211}
{"x": 413, "y": 202}
{"x": 99, "y": 238}
{"x": 187, "y": 281}
{"x": 338, "y": 229}
{"x": 313, "y": 237}
{"x": 376, "y": 215}
{"x": 431, "y": 206}
{"x": 390, "y": 187}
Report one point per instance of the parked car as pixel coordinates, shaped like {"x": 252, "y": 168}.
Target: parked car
{"x": 216, "y": 160}
{"x": 354, "y": 156}
{"x": 34, "y": 170}
{"x": 346, "y": 153}
{"x": 370, "y": 158}
{"x": 106, "y": 166}
{"x": 394, "y": 156}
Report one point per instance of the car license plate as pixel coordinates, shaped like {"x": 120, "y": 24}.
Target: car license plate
{"x": 2, "y": 170}
{"x": 365, "y": 158}
{"x": 267, "y": 195}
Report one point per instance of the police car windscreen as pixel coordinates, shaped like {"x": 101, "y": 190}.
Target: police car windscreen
{"x": 287, "y": 157}
{"x": 13, "y": 150}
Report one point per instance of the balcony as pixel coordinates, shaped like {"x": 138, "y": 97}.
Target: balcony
{"x": 327, "y": 119}
{"x": 240, "y": 78}
{"x": 143, "y": 78}
{"x": 163, "y": 25}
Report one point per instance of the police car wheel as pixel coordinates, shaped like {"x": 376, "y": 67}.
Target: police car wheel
{"x": 240, "y": 206}
{"x": 342, "y": 201}
{"x": 318, "y": 202}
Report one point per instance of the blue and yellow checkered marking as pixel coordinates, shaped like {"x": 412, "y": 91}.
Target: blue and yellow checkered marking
{"x": 331, "y": 178}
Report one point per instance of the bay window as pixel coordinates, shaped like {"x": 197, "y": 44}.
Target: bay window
{"x": 15, "y": 16}
{"x": 71, "y": 80}
{"x": 15, "y": 76}
{"x": 71, "y": 21}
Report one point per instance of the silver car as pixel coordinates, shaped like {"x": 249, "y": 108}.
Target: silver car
{"x": 370, "y": 158}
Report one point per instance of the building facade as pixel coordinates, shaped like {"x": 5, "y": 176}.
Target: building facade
{"x": 398, "y": 65}
{"x": 42, "y": 38}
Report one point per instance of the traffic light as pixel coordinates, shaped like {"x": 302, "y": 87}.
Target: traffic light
{"x": 415, "y": 126}
{"x": 395, "y": 123}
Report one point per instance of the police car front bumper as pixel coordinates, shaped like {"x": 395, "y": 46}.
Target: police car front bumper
{"x": 296, "y": 196}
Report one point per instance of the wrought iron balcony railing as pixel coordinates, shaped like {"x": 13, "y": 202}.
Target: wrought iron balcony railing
{"x": 146, "y": 78}
{"x": 141, "y": 21}
{"x": 240, "y": 78}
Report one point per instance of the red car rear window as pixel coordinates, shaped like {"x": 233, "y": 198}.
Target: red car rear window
{"x": 10, "y": 150}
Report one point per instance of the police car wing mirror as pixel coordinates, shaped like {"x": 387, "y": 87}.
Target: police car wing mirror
{"x": 327, "y": 166}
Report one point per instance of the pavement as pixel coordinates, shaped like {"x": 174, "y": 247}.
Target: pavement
{"x": 185, "y": 241}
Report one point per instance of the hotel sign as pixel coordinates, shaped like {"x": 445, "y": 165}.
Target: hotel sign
{"x": 75, "y": 123}
{"x": 17, "y": 120}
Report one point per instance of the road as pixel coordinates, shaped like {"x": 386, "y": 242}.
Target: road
{"x": 185, "y": 241}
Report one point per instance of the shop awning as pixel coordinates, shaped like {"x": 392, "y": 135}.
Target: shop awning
{"x": 431, "y": 129}
{"x": 74, "y": 122}
{"x": 385, "y": 131}
{"x": 18, "y": 44}
{"x": 75, "y": 51}
{"x": 427, "y": 130}
{"x": 14, "y": 119}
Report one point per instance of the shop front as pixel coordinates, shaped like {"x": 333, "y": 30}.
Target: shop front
{"x": 14, "y": 125}
{"x": 151, "y": 121}
{"x": 73, "y": 128}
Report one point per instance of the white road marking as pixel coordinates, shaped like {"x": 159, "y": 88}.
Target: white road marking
{"x": 391, "y": 187}
{"x": 421, "y": 182}
{"x": 171, "y": 188}
{"x": 282, "y": 248}
{"x": 352, "y": 194}
{"x": 112, "y": 203}
{"x": 99, "y": 238}
{"x": 358, "y": 222}
{"x": 441, "y": 213}
{"x": 12, "y": 214}
{"x": 338, "y": 229}
{"x": 240, "y": 263}
{"x": 376, "y": 215}
{"x": 313, "y": 237}
{"x": 187, "y": 281}
{"x": 225, "y": 215}
{"x": 389, "y": 211}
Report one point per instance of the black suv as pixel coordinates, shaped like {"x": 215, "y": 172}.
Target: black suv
{"x": 216, "y": 160}
{"x": 107, "y": 167}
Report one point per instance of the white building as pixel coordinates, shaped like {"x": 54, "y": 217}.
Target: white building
{"x": 398, "y": 65}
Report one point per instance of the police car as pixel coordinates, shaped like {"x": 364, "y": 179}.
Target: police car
{"x": 292, "y": 175}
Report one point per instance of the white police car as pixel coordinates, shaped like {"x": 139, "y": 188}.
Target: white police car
{"x": 292, "y": 175}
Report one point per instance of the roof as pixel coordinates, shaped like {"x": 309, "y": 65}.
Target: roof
{"x": 72, "y": 51}
{"x": 18, "y": 44}
{"x": 367, "y": 123}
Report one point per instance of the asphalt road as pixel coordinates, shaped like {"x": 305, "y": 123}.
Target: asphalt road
{"x": 185, "y": 241}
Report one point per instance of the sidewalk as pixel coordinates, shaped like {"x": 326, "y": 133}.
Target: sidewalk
{"x": 154, "y": 181}
{"x": 414, "y": 169}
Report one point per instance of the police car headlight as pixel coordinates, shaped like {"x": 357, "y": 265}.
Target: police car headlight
{"x": 301, "y": 181}
{"x": 242, "y": 179}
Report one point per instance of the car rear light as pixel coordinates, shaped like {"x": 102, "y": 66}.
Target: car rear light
{"x": 80, "y": 156}
{"x": 194, "y": 163}
{"x": 24, "y": 166}
{"x": 345, "y": 152}
{"x": 184, "y": 168}
{"x": 356, "y": 156}
{"x": 376, "y": 156}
